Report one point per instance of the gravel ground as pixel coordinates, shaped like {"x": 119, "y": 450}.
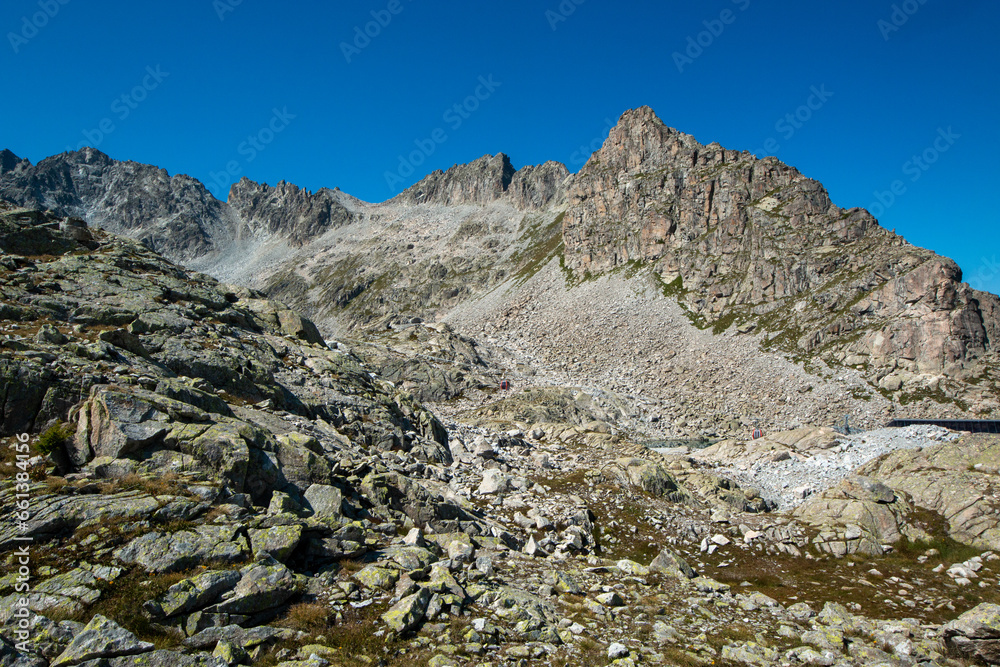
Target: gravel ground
{"x": 781, "y": 482}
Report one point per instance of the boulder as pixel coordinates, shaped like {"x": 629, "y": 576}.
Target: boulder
{"x": 647, "y": 476}
{"x": 101, "y": 638}
{"x": 174, "y": 552}
{"x": 859, "y": 515}
{"x": 278, "y": 541}
{"x": 494, "y": 481}
{"x": 408, "y": 612}
{"x": 325, "y": 501}
{"x": 191, "y": 594}
{"x": 673, "y": 565}
{"x": 263, "y": 585}
{"x": 293, "y": 324}
{"x": 975, "y": 635}
{"x": 114, "y": 423}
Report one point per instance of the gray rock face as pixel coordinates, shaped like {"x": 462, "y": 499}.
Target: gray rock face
{"x": 55, "y": 514}
{"x": 733, "y": 234}
{"x": 288, "y": 210}
{"x": 262, "y": 586}
{"x": 955, "y": 479}
{"x": 976, "y": 634}
{"x": 670, "y": 563}
{"x": 175, "y": 215}
{"x": 194, "y": 593}
{"x": 101, "y": 638}
{"x": 491, "y": 178}
{"x": 173, "y": 552}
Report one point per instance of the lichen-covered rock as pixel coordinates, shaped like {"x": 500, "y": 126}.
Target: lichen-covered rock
{"x": 101, "y": 638}
{"x": 954, "y": 479}
{"x": 278, "y": 541}
{"x": 262, "y": 586}
{"x": 374, "y": 576}
{"x": 194, "y": 593}
{"x": 670, "y": 563}
{"x": 173, "y": 552}
{"x": 859, "y": 515}
{"x": 975, "y": 634}
{"x": 408, "y": 612}
{"x": 325, "y": 501}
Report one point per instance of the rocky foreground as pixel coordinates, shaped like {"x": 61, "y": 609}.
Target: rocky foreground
{"x": 210, "y": 482}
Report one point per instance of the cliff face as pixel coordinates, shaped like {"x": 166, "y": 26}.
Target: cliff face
{"x": 489, "y": 179}
{"x": 287, "y": 209}
{"x": 174, "y": 215}
{"x": 755, "y": 242}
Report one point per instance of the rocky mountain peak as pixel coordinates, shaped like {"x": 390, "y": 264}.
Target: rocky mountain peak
{"x": 489, "y": 179}
{"x": 479, "y": 182}
{"x": 288, "y": 209}
{"x": 9, "y": 162}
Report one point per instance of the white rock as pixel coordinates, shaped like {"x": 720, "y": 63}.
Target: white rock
{"x": 616, "y": 651}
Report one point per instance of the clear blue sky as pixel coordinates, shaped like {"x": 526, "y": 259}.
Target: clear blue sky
{"x": 560, "y": 82}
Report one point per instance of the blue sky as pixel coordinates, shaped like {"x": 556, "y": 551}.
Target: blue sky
{"x": 220, "y": 89}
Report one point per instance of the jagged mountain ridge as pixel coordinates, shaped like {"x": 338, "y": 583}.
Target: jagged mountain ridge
{"x": 739, "y": 242}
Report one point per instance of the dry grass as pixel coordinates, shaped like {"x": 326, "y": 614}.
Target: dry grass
{"x": 123, "y": 600}
{"x": 158, "y": 485}
{"x": 313, "y": 618}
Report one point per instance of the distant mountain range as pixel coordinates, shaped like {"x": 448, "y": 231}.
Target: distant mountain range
{"x": 741, "y": 243}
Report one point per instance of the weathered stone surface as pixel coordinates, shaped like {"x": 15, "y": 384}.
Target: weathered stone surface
{"x": 325, "y": 501}
{"x": 173, "y": 552}
{"x": 374, "y": 576}
{"x": 953, "y": 479}
{"x": 408, "y": 612}
{"x": 55, "y": 515}
{"x": 648, "y": 476}
{"x": 862, "y": 514}
{"x": 262, "y": 586}
{"x": 975, "y": 634}
{"x": 101, "y": 638}
{"x": 278, "y": 542}
{"x": 194, "y": 593}
{"x": 672, "y": 564}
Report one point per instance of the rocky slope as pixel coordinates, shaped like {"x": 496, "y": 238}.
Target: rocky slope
{"x": 210, "y": 482}
{"x": 750, "y": 250}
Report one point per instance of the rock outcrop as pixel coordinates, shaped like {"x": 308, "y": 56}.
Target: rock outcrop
{"x": 288, "y": 211}
{"x": 174, "y": 215}
{"x": 743, "y": 240}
